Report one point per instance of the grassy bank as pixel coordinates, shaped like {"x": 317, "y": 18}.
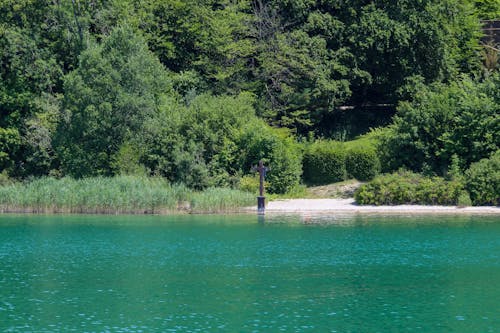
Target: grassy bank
{"x": 117, "y": 195}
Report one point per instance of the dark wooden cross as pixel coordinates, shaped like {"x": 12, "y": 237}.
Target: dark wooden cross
{"x": 261, "y": 200}
{"x": 262, "y": 173}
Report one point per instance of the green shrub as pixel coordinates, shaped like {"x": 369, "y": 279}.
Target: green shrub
{"x": 362, "y": 163}
{"x": 285, "y": 165}
{"x": 330, "y": 161}
{"x": 250, "y": 183}
{"x": 277, "y": 149}
{"x": 5, "y": 179}
{"x": 379, "y": 138}
{"x": 324, "y": 163}
{"x": 406, "y": 187}
{"x": 215, "y": 140}
{"x": 483, "y": 181}
{"x": 9, "y": 144}
{"x": 464, "y": 200}
{"x": 459, "y": 119}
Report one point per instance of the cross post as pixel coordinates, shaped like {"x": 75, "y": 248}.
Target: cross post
{"x": 261, "y": 198}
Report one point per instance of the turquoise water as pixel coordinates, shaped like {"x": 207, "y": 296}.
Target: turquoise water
{"x": 235, "y": 274}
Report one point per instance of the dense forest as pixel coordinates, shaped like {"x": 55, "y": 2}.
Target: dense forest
{"x": 196, "y": 91}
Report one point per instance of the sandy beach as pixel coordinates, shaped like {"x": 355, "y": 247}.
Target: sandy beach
{"x": 348, "y": 206}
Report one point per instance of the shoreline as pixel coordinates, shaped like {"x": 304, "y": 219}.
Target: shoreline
{"x": 349, "y": 207}
{"x": 304, "y": 207}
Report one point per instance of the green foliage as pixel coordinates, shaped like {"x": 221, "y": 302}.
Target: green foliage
{"x": 196, "y": 143}
{"x": 127, "y": 161}
{"x": 324, "y": 163}
{"x": 172, "y": 88}
{"x": 298, "y": 192}
{"x": 29, "y": 77}
{"x": 9, "y": 143}
{"x": 381, "y": 137}
{"x": 442, "y": 121}
{"x": 285, "y": 162}
{"x": 213, "y": 200}
{"x": 213, "y": 140}
{"x": 38, "y": 133}
{"x": 5, "y": 179}
{"x": 327, "y": 162}
{"x": 362, "y": 159}
{"x": 116, "y": 87}
{"x": 304, "y": 79}
{"x": 464, "y": 200}
{"x": 212, "y": 39}
{"x": 487, "y": 9}
{"x": 405, "y": 187}
{"x": 250, "y": 183}
{"x": 121, "y": 194}
{"x": 483, "y": 181}
{"x": 39, "y": 42}
{"x": 362, "y": 163}
{"x": 318, "y": 55}
{"x": 277, "y": 149}
{"x": 90, "y": 195}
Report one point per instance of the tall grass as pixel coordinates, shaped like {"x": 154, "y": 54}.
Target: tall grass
{"x": 121, "y": 194}
{"x": 215, "y": 200}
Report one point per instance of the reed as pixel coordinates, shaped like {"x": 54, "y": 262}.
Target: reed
{"x": 214, "y": 200}
{"x": 115, "y": 195}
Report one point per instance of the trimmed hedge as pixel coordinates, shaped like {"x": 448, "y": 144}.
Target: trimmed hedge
{"x": 405, "y": 187}
{"x": 483, "y": 181}
{"x": 362, "y": 163}
{"x": 324, "y": 163}
{"x": 330, "y": 161}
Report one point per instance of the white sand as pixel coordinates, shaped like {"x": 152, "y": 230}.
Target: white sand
{"x": 347, "y": 206}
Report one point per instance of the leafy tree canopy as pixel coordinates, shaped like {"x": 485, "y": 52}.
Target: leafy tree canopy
{"x": 118, "y": 85}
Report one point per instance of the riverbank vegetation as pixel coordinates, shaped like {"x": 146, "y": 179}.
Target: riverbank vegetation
{"x": 117, "y": 195}
{"x": 406, "y": 187}
{"x": 185, "y": 96}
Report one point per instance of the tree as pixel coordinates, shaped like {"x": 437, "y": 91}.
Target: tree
{"x": 9, "y": 143}
{"x": 460, "y": 119}
{"x": 212, "y": 38}
{"x": 393, "y": 41}
{"x": 116, "y": 87}
{"x": 39, "y": 42}
{"x": 314, "y": 56}
{"x": 487, "y": 9}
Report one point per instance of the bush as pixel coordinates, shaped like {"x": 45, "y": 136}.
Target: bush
{"x": 483, "y": 181}
{"x": 9, "y": 144}
{"x": 249, "y": 183}
{"x": 324, "y": 163}
{"x": 285, "y": 165}
{"x": 442, "y": 121}
{"x": 5, "y": 179}
{"x": 405, "y": 187}
{"x": 464, "y": 200}
{"x": 330, "y": 161}
{"x": 362, "y": 163}
{"x": 277, "y": 149}
{"x": 215, "y": 140}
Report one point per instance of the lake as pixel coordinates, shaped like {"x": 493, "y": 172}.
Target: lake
{"x": 239, "y": 274}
